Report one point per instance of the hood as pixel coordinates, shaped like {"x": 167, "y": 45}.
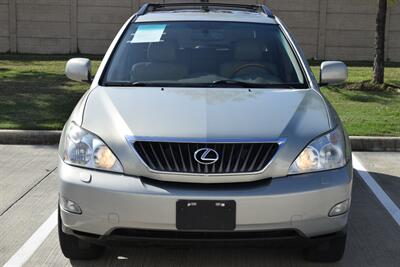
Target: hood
{"x": 115, "y": 113}
{"x": 202, "y": 113}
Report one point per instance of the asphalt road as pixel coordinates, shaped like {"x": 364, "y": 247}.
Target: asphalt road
{"x": 28, "y": 196}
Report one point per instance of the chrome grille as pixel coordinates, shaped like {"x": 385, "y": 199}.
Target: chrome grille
{"x": 179, "y": 157}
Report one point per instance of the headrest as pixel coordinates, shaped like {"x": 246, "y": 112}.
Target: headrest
{"x": 247, "y": 50}
{"x": 161, "y": 51}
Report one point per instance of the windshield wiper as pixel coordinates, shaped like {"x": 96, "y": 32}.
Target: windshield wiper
{"x": 234, "y": 83}
{"x": 117, "y": 84}
{"x": 256, "y": 85}
{"x": 129, "y": 84}
{"x": 225, "y": 83}
{"x": 143, "y": 84}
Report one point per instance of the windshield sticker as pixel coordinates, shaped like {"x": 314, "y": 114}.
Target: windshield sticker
{"x": 148, "y": 33}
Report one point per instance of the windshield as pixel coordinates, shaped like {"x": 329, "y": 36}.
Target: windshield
{"x": 198, "y": 53}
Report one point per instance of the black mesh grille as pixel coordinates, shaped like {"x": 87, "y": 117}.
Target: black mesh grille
{"x": 179, "y": 157}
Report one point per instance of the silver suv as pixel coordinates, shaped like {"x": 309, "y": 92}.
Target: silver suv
{"x": 204, "y": 122}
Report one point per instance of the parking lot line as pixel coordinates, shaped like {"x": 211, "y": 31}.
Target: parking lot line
{"x": 385, "y": 200}
{"x": 33, "y": 243}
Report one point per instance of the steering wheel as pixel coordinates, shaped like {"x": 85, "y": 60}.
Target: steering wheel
{"x": 251, "y": 65}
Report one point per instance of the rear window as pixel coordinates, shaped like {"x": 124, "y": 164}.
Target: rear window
{"x": 199, "y": 53}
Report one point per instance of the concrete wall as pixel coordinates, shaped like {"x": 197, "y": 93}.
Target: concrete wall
{"x": 326, "y": 29}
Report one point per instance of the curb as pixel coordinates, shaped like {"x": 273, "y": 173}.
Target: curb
{"x": 29, "y": 137}
{"x": 375, "y": 143}
{"x": 42, "y": 137}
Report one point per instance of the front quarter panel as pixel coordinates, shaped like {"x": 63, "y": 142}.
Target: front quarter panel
{"x": 76, "y": 117}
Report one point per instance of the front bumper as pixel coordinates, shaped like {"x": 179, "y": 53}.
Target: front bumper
{"x": 110, "y": 202}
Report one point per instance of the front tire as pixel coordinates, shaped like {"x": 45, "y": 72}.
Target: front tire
{"x": 75, "y": 248}
{"x": 330, "y": 250}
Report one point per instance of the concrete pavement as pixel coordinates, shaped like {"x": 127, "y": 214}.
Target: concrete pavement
{"x": 28, "y": 190}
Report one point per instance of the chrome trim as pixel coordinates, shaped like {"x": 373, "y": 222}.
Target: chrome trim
{"x": 132, "y": 139}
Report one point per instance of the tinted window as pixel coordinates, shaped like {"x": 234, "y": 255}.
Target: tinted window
{"x": 202, "y": 53}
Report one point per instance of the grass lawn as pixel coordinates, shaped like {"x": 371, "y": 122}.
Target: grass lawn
{"x": 367, "y": 113}
{"x": 35, "y": 94}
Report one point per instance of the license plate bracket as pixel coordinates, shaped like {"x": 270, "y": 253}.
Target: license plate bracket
{"x": 206, "y": 215}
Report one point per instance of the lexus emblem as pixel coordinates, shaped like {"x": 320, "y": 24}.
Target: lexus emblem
{"x": 206, "y": 156}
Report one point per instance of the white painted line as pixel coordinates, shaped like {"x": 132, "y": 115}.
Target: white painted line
{"x": 377, "y": 190}
{"x": 33, "y": 243}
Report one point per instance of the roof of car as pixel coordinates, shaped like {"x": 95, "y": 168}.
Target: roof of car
{"x": 210, "y": 15}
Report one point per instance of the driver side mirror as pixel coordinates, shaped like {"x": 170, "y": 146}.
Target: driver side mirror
{"x": 332, "y": 72}
{"x": 79, "y": 69}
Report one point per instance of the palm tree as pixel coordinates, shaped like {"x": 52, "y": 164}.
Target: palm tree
{"x": 379, "y": 60}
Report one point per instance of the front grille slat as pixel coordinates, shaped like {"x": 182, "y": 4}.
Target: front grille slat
{"x": 228, "y": 166}
{"x": 190, "y": 157}
{"x": 164, "y": 157}
{"x": 146, "y": 156}
{"x": 196, "y": 162}
{"x": 213, "y": 165}
{"x": 178, "y": 157}
{"x": 176, "y": 167}
{"x": 266, "y": 155}
{"x": 238, "y": 158}
{"x": 247, "y": 158}
{"x": 181, "y": 158}
{"x": 156, "y": 156}
{"x": 222, "y": 158}
{"x": 256, "y": 157}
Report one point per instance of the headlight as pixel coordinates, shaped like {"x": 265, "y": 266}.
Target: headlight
{"x": 85, "y": 149}
{"x": 324, "y": 153}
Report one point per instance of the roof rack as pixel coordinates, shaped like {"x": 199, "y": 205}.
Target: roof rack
{"x": 148, "y": 7}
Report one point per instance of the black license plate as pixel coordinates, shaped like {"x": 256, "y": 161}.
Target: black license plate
{"x": 205, "y": 215}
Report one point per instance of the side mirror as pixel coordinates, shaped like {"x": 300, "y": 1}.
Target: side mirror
{"x": 79, "y": 69}
{"x": 332, "y": 72}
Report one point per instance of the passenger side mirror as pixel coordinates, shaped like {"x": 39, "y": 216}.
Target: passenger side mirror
{"x": 332, "y": 72}
{"x": 79, "y": 69}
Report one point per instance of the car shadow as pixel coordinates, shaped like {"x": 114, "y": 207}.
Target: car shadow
{"x": 196, "y": 257}
{"x": 379, "y": 97}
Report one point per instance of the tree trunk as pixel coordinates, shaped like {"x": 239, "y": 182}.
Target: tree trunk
{"x": 379, "y": 61}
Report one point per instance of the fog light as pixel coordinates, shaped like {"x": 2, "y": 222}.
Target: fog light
{"x": 70, "y": 206}
{"x": 339, "y": 209}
